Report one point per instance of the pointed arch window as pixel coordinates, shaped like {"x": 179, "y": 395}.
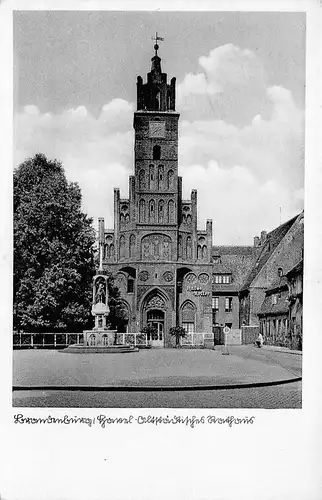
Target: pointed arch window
{"x": 180, "y": 246}
{"x": 161, "y": 176}
{"x": 170, "y": 179}
{"x": 189, "y": 247}
{"x": 161, "y": 211}
{"x": 132, "y": 245}
{"x": 142, "y": 211}
{"x": 152, "y": 211}
{"x": 151, "y": 176}
{"x": 188, "y": 314}
{"x": 122, "y": 247}
{"x": 171, "y": 211}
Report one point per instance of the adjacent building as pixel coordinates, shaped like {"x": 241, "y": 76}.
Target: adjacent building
{"x": 278, "y": 252}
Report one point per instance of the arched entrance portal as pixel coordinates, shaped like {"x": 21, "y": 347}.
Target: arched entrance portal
{"x": 155, "y": 312}
{"x": 155, "y": 318}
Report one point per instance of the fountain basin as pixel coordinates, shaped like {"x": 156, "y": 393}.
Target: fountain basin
{"x": 98, "y": 349}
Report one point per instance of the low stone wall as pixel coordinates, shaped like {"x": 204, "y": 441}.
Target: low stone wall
{"x": 249, "y": 334}
{"x": 198, "y": 340}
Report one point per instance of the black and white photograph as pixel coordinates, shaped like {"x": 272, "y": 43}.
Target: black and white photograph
{"x": 160, "y": 291}
{"x": 158, "y": 209}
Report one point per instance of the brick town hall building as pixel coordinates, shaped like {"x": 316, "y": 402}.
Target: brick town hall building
{"x": 166, "y": 268}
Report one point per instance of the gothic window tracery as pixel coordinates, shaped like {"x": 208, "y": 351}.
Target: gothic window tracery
{"x": 151, "y": 176}
{"x": 156, "y": 247}
{"x": 151, "y": 211}
{"x": 122, "y": 246}
{"x": 170, "y": 179}
{"x": 161, "y": 176}
{"x": 161, "y": 210}
{"x": 132, "y": 245}
{"x": 142, "y": 211}
{"x": 189, "y": 247}
{"x": 180, "y": 246}
{"x": 171, "y": 211}
{"x": 112, "y": 251}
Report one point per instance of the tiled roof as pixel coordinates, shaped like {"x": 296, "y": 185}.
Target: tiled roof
{"x": 278, "y": 284}
{"x": 281, "y": 306}
{"x": 272, "y": 240}
{"x": 298, "y": 268}
{"x": 232, "y": 250}
{"x": 236, "y": 260}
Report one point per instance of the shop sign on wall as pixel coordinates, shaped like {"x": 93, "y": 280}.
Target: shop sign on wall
{"x": 198, "y": 291}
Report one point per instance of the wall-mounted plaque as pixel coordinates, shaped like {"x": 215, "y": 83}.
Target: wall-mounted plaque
{"x": 157, "y": 129}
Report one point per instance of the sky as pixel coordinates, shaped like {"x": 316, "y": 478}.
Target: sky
{"x": 240, "y": 94}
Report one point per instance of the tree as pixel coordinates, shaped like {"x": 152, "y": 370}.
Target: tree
{"x": 178, "y": 332}
{"x": 53, "y": 250}
{"x": 150, "y": 331}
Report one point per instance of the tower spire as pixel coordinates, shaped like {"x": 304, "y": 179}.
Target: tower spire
{"x": 156, "y": 39}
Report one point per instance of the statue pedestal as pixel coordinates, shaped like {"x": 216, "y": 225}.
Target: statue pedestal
{"x": 99, "y": 337}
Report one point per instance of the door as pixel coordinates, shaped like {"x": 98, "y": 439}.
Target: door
{"x": 155, "y": 318}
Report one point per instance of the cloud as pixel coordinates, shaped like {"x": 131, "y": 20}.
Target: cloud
{"x": 96, "y": 152}
{"x": 241, "y": 145}
{"x": 244, "y": 153}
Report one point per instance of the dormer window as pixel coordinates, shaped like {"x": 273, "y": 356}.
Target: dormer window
{"x": 280, "y": 272}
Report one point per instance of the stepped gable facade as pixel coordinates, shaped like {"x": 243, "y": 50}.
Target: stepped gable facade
{"x": 161, "y": 261}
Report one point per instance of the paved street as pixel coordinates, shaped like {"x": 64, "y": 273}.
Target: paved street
{"x": 279, "y": 396}
{"x": 159, "y": 368}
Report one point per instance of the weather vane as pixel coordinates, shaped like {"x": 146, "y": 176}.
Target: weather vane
{"x": 156, "y": 38}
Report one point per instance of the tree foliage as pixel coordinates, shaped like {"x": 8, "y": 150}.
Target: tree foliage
{"x": 178, "y": 332}
{"x": 53, "y": 250}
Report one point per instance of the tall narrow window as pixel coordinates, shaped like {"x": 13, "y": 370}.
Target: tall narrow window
{"x": 161, "y": 211}
{"x": 157, "y": 101}
{"x": 130, "y": 285}
{"x": 122, "y": 247}
{"x": 180, "y": 246}
{"x": 189, "y": 248}
{"x": 228, "y": 304}
{"x": 215, "y": 303}
{"x": 156, "y": 152}
{"x": 170, "y": 179}
{"x": 151, "y": 211}
{"x": 171, "y": 211}
{"x": 142, "y": 211}
{"x": 160, "y": 176}
{"x": 132, "y": 246}
{"x": 151, "y": 174}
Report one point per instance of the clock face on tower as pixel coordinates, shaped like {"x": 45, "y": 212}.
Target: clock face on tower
{"x": 157, "y": 129}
